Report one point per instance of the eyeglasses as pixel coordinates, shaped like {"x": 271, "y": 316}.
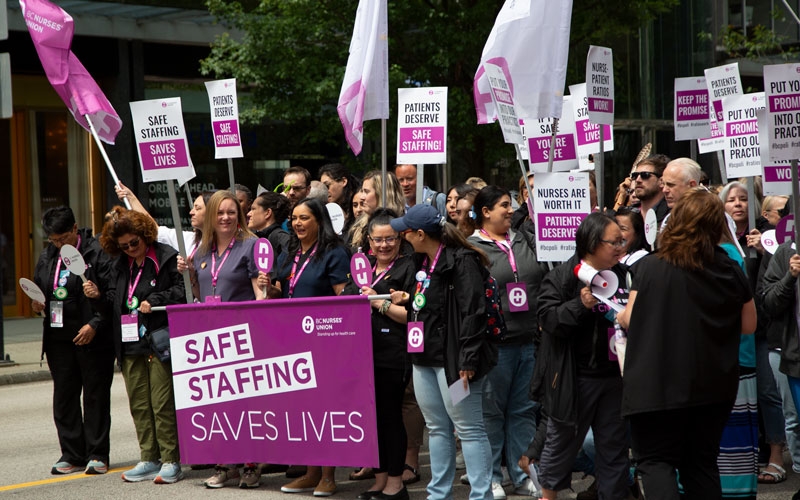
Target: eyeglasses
{"x": 131, "y": 244}
{"x": 59, "y": 241}
{"x": 294, "y": 188}
{"x": 616, "y": 244}
{"x": 391, "y": 240}
{"x": 645, "y": 175}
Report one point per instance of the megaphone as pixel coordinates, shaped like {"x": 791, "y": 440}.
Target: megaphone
{"x": 603, "y": 283}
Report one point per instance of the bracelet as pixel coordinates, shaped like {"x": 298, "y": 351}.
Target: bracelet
{"x": 385, "y": 306}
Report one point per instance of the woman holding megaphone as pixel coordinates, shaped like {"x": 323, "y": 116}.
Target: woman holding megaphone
{"x": 583, "y": 386}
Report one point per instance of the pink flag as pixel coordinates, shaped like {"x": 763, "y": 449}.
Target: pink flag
{"x": 530, "y": 43}
{"x": 365, "y": 89}
{"x": 51, "y": 30}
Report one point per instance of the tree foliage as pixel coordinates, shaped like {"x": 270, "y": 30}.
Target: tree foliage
{"x": 292, "y": 56}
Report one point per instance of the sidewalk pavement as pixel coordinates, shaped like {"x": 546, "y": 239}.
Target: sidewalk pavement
{"x": 22, "y": 340}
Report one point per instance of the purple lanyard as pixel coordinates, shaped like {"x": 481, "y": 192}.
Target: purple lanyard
{"x": 132, "y": 286}
{"x": 295, "y": 276}
{"x": 506, "y": 250}
{"x": 383, "y": 273}
{"x": 58, "y": 265}
{"x": 214, "y": 269}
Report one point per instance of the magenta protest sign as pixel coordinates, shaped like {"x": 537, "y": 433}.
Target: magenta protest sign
{"x": 690, "y": 113}
{"x": 360, "y": 269}
{"x": 275, "y": 381}
{"x": 263, "y": 255}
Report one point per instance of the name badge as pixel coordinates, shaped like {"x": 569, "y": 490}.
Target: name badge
{"x": 130, "y": 327}
{"x": 416, "y": 336}
{"x": 56, "y": 314}
{"x": 517, "y": 294}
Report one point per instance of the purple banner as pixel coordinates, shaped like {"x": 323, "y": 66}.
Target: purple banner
{"x": 163, "y": 154}
{"x": 589, "y": 133}
{"x": 781, "y": 103}
{"x": 747, "y": 127}
{"x": 539, "y": 148}
{"x": 558, "y": 227}
{"x": 692, "y": 105}
{"x": 275, "y": 381}
{"x": 599, "y": 105}
{"x": 422, "y": 140}
{"x": 226, "y": 133}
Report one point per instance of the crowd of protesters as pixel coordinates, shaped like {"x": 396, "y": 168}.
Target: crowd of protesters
{"x": 703, "y": 326}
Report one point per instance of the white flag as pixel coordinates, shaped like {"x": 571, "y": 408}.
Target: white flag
{"x": 365, "y": 89}
{"x": 530, "y": 42}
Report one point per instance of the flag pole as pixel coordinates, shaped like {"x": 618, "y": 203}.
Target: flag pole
{"x": 189, "y": 195}
{"x": 525, "y": 180}
{"x": 383, "y": 161}
{"x": 105, "y": 156}
{"x": 552, "y": 147}
{"x": 230, "y": 175}
{"x": 598, "y": 166}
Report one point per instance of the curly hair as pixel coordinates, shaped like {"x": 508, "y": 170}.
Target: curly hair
{"x": 121, "y": 221}
{"x": 694, "y": 228}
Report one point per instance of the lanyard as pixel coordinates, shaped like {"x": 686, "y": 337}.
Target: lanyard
{"x": 295, "y": 276}
{"x": 132, "y": 285}
{"x": 214, "y": 269}
{"x": 506, "y": 250}
{"x": 383, "y": 273}
{"x": 58, "y": 265}
{"x": 424, "y": 280}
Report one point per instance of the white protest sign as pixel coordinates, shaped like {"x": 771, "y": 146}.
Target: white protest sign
{"x": 776, "y": 175}
{"x": 225, "y": 118}
{"x": 161, "y": 139}
{"x": 422, "y": 125}
{"x": 32, "y": 290}
{"x": 722, "y": 81}
{"x": 540, "y": 133}
{"x": 587, "y": 134}
{"x": 561, "y": 202}
{"x": 742, "y": 152}
{"x": 504, "y": 104}
{"x": 523, "y": 146}
{"x": 768, "y": 241}
{"x": 600, "y": 85}
{"x": 690, "y": 114}
{"x": 73, "y": 259}
{"x": 782, "y": 86}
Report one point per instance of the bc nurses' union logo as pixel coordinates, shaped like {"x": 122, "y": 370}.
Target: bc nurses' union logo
{"x": 308, "y": 324}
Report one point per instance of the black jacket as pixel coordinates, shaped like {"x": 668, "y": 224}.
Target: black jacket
{"x": 278, "y": 238}
{"x": 78, "y": 310}
{"x": 168, "y": 289}
{"x": 779, "y": 299}
{"x": 455, "y": 316}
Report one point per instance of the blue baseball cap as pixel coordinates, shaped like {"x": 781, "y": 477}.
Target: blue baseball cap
{"x": 424, "y": 217}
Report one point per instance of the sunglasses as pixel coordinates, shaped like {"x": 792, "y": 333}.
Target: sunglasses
{"x": 131, "y": 244}
{"x": 645, "y": 175}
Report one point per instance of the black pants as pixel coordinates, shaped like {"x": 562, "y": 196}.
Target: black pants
{"x": 83, "y": 436}
{"x": 390, "y": 386}
{"x": 685, "y": 439}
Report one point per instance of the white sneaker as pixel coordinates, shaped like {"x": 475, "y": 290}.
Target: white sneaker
{"x": 506, "y": 477}
{"x": 498, "y": 492}
{"x": 526, "y": 488}
{"x": 460, "y": 463}
{"x": 464, "y": 479}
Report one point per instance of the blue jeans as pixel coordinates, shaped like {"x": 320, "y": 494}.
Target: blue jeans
{"x": 433, "y": 397}
{"x": 789, "y": 410}
{"x": 769, "y": 399}
{"x": 508, "y": 412}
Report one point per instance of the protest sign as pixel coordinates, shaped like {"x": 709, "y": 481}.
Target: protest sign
{"x": 690, "y": 114}
{"x": 161, "y": 139}
{"x": 742, "y": 151}
{"x": 504, "y": 104}
{"x": 715, "y": 141}
{"x": 722, "y": 81}
{"x": 225, "y": 118}
{"x": 276, "y": 381}
{"x": 776, "y": 175}
{"x": 422, "y": 125}
{"x": 600, "y": 85}
{"x": 540, "y": 133}
{"x": 587, "y": 134}
{"x": 782, "y": 87}
{"x": 561, "y": 202}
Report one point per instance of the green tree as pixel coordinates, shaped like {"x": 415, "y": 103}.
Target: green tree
{"x": 292, "y": 56}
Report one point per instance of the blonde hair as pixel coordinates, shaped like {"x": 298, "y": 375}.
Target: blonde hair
{"x": 209, "y": 238}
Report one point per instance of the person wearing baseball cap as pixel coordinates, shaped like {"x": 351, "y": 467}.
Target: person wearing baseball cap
{"x": 447, "y": 324}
